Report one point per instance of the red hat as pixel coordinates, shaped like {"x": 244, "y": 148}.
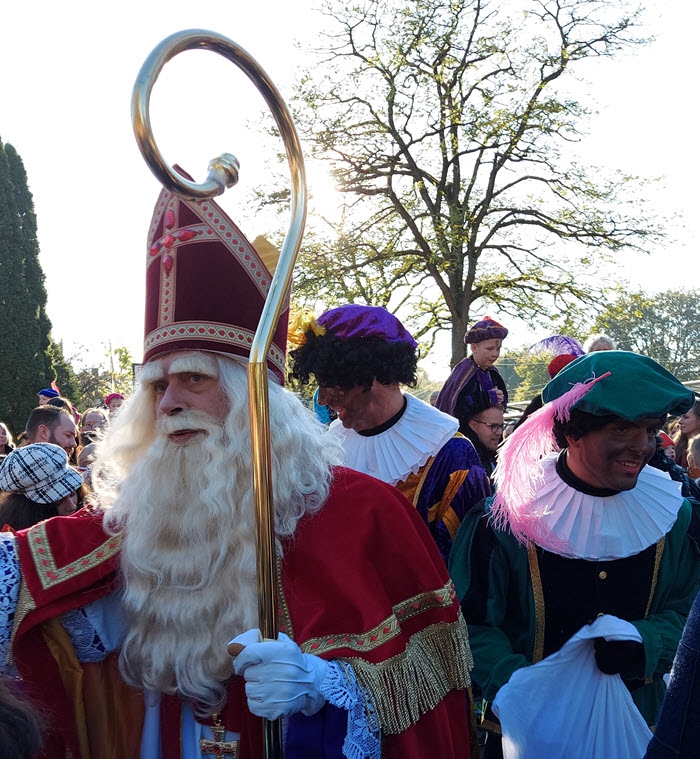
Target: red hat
{"x": 666, "y": 440}
{"x": 113, "y": 397}
{"x": 558, "y": 363}
{"x": 206, "y": 284}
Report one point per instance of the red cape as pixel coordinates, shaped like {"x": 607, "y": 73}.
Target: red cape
{"x": 362, "y": 581}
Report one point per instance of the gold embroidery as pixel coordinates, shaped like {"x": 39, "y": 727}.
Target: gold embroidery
{"x": 49, "y": 574}
{"x": 655, "y": 578}
{"x": 209, "y": 331}
{"x": 436, "y": 660}
{"x": 386, "y": 630}
{"x": 538, "y": 650}
{"x": 25, "y": 605}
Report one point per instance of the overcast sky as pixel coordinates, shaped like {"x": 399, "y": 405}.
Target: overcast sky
{"x": 67, "y": 71}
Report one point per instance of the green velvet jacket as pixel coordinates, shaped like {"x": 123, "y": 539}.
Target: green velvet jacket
{"x": 493, "y": 579}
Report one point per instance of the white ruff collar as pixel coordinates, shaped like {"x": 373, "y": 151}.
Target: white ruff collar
{"x": 576, "y": 525}
{"x": 395, "y": 453}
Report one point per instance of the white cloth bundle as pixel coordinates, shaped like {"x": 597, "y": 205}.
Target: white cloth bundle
{"x": 564, "y": 707}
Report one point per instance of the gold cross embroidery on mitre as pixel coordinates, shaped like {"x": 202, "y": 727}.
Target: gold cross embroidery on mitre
{"x": 219, "y": 747}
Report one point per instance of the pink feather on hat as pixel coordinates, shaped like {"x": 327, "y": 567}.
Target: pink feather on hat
{"x": 519, "y": 459}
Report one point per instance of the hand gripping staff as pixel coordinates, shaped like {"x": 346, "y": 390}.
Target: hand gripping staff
{"x": 223, "y": 173}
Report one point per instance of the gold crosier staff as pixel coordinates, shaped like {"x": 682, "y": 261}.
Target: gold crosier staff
{"x": 223, "y": 173}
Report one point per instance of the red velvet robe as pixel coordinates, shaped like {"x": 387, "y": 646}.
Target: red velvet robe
{"x": 361, "y": 581}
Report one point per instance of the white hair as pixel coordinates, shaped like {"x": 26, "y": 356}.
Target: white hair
{"x": 187, "y": 516}
{"x": 597, "y": 342}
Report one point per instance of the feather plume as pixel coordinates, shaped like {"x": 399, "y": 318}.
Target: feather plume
{"x": 518, "y": 468}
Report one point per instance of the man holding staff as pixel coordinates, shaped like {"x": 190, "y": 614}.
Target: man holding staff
{"x": 118, "y": 620}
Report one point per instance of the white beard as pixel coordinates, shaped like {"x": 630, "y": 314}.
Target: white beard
{"x": 189, "y": 562}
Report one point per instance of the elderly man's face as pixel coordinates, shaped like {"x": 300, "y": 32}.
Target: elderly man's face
{"x": 188, "y": 382}
{"x": 613, "y": 456}
{"x": 93, "y": 421}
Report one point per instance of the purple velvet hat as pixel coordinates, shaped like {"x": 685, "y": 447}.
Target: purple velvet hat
{"x": 353, "y": 320}
{"x": 486, "y": 329}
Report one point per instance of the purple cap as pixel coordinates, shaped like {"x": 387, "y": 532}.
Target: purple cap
{"x": 351, "y": 321}
{"x": 486, "y": 329}
{"x": 48, "y": 392}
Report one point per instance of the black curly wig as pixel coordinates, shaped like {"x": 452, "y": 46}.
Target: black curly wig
{"x": 356, "y": 362}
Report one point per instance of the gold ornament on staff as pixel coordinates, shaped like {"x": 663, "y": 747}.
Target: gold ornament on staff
{"x": 223, "y": 173}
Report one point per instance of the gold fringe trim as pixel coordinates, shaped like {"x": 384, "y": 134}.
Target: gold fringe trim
{"x": 436, "y": 661}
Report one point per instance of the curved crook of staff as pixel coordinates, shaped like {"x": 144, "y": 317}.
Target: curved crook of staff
{"x": 223, "y": 173}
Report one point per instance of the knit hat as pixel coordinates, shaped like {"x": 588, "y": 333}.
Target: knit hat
{"x": 486, "y": 329}
{"x": 206, "y": 284}
{"x": 354, "y": 320}
{"x": 48, "y": 393}
{"x": 40, "y": 471}
{"x": 636, "y": 387}
{"x": 113, "y": 397}
{"x": 558, "y": 363}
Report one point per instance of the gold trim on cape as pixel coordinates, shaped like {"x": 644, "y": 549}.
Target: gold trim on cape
{"x": 437, "y": 660}
{"x": 538, "y": 594}
{"x": 655, "y": 577}
{"x": 385, "y": 630}
{"x": 49, "y": 573}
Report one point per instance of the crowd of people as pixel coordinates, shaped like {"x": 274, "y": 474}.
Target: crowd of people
{"x": 429, "y": 568}
{"x": 56, "y": 448}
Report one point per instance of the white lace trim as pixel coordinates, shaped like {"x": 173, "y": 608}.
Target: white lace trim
{"x": 340, "y": 688}
{"x": 10, "y": 578}
{"x": 576, "y": 525}
{"x": 392, "y": 455}
{"x": 85, "y": 639}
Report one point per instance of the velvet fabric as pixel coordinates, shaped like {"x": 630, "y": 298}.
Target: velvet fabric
{"x": 362, "y": 581}
{"x": 206, "y": 284}
{"x": 637, "y": 387}
{"x": 470, "y": 389}
{"x": 355, "y": 320}
{"x": 447, "y": 488}
{"x": 485, "y": 329}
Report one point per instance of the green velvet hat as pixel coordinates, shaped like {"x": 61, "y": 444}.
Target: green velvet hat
{"x": 637, "y": 386}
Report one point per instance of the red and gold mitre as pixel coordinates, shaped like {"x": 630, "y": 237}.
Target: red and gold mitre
{"x": 206, "y": 284}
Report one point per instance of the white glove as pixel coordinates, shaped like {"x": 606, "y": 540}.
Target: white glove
{"x": 280, "y": 679}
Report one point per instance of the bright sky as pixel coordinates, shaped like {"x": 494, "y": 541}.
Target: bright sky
{"x": 67, "y": 74}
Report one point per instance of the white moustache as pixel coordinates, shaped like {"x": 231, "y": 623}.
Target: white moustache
{"x": 187, "y": 420}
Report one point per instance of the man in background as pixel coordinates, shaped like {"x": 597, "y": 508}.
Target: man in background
{"x": 361, "y": 356}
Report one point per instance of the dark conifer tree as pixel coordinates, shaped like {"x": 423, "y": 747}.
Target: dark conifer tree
{"x": 25, "y": 327}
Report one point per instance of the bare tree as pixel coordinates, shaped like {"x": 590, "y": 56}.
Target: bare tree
{"x": 446, "y": 134}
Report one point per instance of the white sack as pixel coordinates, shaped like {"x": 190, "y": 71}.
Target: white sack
{"x": 564, "y": 707}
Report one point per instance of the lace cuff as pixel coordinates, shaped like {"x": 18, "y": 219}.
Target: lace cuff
{"x": 340, "y": 688}
{"x": 85, "y": 639}
{"x": 10, "y": 577}
{"x": 96, "y": 629}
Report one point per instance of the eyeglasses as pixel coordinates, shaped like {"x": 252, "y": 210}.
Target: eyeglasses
{"x": 495, "y": 428}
